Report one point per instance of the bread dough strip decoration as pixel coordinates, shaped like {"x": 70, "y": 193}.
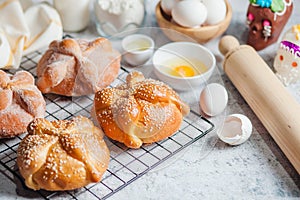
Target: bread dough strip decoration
{"x": 139, "y": 111}
{"x": 20, "y": 103}
{"x": 75, "y": 67}
{"x": 62, "y": 154}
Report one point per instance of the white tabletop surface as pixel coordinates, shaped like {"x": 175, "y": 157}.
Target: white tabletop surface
{"x": 211, "y": 169}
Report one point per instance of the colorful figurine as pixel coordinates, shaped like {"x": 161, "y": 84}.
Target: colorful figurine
{"x": 287, "y": 60}
{"x": 266, "y": 19}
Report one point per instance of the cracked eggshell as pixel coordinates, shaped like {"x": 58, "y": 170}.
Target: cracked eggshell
{"x": 213, "y": 99}
{"x": 236, "y": 129}
{"x": 189, "y": 13}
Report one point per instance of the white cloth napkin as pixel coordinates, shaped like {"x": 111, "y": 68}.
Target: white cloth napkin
{"x": 22, "y": 32}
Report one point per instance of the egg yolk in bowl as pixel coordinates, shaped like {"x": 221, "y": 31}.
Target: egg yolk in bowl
{"x": 183, "y": 67}
{"x": 182, "y": 71}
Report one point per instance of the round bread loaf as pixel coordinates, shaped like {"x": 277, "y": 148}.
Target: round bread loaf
{"x": 77, "y": 67}
{"x": 62, "y": 155}
{"x": 20, "y": 103}
{"x": 139, "y": 111}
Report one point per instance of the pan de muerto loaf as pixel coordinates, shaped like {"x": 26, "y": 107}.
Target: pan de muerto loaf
{"x": 62, "y": 155}
{"x": 20, "y": 103}
{"x": 139, "y": 111}
{"x": 77, "y": 67}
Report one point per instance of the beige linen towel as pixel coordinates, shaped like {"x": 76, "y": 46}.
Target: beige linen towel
{"x": 24, "y": 32}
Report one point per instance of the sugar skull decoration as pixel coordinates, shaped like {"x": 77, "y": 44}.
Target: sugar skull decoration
{"x": 266, "y": 19}
{"x": 287, "y": 60}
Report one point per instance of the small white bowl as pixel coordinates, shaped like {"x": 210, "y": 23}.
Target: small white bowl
{"x": 138, "y": 49}
{"x": 190, "y": 52}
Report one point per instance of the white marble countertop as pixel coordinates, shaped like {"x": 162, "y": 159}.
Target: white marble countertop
{"x": 210, "y": 169}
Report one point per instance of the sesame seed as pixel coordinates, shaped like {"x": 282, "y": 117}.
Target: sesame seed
{"x": 58, "y": 141}
{"x": 140, "y": 104}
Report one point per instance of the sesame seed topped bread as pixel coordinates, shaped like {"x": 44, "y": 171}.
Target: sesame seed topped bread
{"x": 62, "y": 155}
{"x": 75, "y": 67}
{"x": 139, "y": 111}
{"x": 20, "y": 102}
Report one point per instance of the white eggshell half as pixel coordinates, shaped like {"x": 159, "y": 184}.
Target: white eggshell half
{"x": 167, "y": 5}
{"x": 189, "y": 13}
{"x": 213, "y": 99}
{"x": 236, "y": 129}
{"x": 216, "y": 11}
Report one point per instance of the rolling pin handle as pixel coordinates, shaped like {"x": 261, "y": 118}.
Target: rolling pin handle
{"x": 227, "y": 44}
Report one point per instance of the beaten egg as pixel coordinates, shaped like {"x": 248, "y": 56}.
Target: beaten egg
{"x": 184, "y": 67}
{"x": 137, "y": 49}
{"x": 138, "y": 45}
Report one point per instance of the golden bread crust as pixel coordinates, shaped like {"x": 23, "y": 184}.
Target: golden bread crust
{"x": 20, "y": 103}
{"x": 75, "y": 67}
{"x": 62, "y": 155}
{"x": 139, "y": 111}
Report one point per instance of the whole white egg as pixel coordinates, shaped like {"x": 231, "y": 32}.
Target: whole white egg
{"x": 216, "y": 11}
{"x": 167, "y": 5}
{"x": 213, "y": 99}
{"x": 189, "y": 13}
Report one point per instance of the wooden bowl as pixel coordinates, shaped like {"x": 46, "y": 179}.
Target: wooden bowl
{"x": 202, "y": 34}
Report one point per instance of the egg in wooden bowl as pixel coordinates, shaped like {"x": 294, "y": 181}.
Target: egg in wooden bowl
{"x": 189, "y": 20}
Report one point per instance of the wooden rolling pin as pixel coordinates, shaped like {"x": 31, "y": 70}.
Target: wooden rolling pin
{"x": 276, "y": 108}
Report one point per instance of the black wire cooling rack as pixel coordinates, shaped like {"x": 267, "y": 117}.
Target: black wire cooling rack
{"x": 126, "y": 165}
